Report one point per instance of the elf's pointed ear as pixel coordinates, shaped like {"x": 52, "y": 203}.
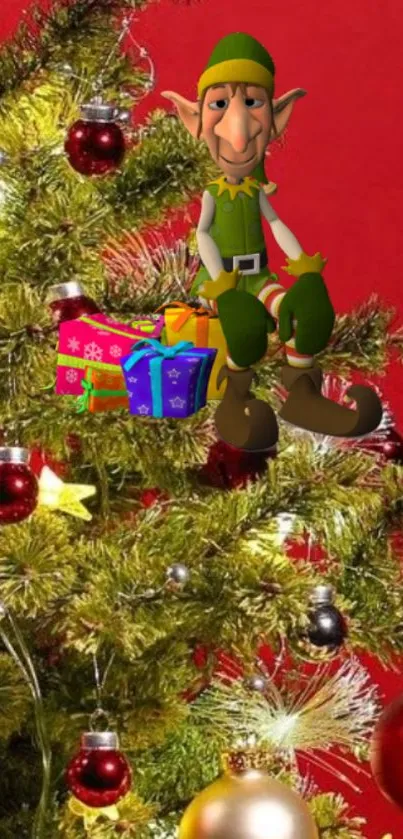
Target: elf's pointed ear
{"x": 188, "y": 112}
{"x": 283, "y": 107}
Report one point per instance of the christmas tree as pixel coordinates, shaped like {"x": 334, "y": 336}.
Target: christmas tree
{"x": 161, "y": 585}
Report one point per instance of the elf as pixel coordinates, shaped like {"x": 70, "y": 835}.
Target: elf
{"x": 237, "y": 117}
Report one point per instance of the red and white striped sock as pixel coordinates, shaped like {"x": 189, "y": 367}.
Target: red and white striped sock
{"x": 297, "y": 359}
{"x": 271, "y": 296}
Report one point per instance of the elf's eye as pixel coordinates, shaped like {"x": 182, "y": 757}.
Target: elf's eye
{"x": 218, "y": 105}
{"x": 250, "y": 102}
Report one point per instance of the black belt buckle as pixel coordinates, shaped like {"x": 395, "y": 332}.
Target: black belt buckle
{"x": 246, "y": 264}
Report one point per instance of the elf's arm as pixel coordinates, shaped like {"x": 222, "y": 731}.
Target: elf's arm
{"x": 221, "y": 280}
{"x": 292, "y": 249}
{"x": 208, "y": 251}
{"x": 306, "y": 305}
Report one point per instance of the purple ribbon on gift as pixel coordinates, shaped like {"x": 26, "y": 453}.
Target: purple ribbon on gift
{"x": 159, "y": 352}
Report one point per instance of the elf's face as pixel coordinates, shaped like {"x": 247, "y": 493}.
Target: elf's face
{"x": 236, "y": 125}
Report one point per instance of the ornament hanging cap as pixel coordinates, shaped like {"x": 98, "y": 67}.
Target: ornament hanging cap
{"x": 14, "y": 454}
{"x": 240, "y": 760}
{"x": 238, "y": 58}
{"x": 98, "y": 111}
{"x": 322, "y": 595}
{"x": 100, "y": 740}
{"x": 65, "y": 290}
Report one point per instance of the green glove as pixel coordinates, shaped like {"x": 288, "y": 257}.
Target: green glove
{"x": 307, "y": 302}
{"x": 245, "y": 323}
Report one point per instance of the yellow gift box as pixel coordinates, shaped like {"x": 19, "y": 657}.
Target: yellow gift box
{"x": 203, "y": 328}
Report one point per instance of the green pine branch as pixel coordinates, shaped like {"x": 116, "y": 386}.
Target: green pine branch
{"x": 46, "y": 30}
{"x": 79, "y": 588}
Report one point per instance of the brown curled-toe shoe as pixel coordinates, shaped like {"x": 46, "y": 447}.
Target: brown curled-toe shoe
{"x": 307, "y": 408}
{"x": 241, "y": 420}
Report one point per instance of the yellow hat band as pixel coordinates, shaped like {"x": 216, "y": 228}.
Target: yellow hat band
{"x": 236, "y": 70}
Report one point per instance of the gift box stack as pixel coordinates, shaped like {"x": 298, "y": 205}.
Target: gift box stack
{"x": 203, "y": 328}
{"x": 162, "y": 365}
{"x": 91, "y": 347}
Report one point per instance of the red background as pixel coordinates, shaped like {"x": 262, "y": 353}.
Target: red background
{"x": 339, "y": 173}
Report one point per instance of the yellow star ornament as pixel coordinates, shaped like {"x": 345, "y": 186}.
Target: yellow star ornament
{"x": 56, "y": 495}
{"x": 91, "y": 814}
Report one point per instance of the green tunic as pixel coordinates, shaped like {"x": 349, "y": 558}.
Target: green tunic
{"x": 236, "y": 229}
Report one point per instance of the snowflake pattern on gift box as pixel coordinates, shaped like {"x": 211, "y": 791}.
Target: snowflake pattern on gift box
{"x": 72, "y": 376}
{"x": 93, "y": 352}
{"x": 115, "y": 351}
{"x": 73, "y": 344}
{"x": 177, "y": 402}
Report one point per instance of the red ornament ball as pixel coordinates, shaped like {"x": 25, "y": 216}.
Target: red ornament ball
{"x": 392, "y": 447}
{"x": 151, "y": 497}
{"x": 94, "y": 147}
{"x": 386, "y": 753}
{"x": 67, "y": 301}
{"x": 99, "y": 775}
{"x": 74, "y": 443}
{"x": 230, "y": 468}
{"x": 18, "y": 486}
{"x": 63, "y": 310}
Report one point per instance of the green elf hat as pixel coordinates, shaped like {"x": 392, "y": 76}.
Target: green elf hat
{"x": 238, "y": 58}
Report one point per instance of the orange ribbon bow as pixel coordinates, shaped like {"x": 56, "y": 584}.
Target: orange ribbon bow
{"x": 202, "y": 316}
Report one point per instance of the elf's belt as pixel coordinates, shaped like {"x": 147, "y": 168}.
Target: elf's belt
{"x": 249, "y": 263}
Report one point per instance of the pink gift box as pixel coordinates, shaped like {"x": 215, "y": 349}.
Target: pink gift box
{"x": 97, "y": 341}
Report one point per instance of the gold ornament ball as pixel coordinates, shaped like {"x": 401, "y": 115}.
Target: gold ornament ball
{"x": 248, "y": 806}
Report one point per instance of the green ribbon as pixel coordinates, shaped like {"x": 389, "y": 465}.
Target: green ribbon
{"x": 74, "y": 361}
{"x": 144, "y": 325}
{"x": 83, "y": 401}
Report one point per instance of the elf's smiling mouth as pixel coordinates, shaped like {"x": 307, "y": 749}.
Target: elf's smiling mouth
{"x": 237, "y": 162}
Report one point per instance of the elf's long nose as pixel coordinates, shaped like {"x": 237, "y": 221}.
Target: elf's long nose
{"x": 237, "y": 126}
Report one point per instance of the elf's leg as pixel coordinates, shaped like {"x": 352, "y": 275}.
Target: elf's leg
{"x": 305, "y": 406}
{"x": 271, "y": 296}
{"x": 241, "y": 420}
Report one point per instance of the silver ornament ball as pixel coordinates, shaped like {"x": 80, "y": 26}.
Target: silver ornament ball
{"x": 178, "y": 574}
{"x": 257, "y": 682}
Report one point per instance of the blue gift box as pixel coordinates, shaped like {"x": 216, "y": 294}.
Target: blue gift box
{"x": 167, "y": 381}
